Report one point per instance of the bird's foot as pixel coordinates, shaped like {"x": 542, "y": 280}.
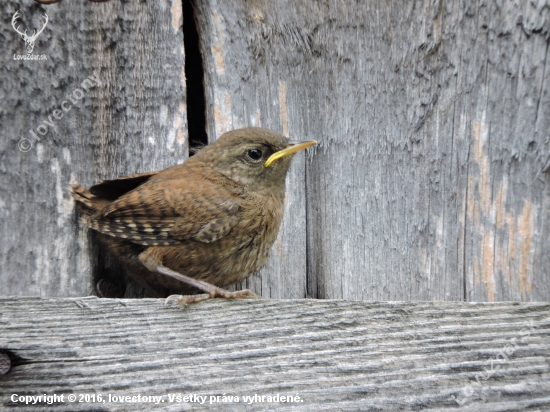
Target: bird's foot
{"x": 212, "y": 291}
{"x": 186, "y": 299}
{"x": 218, "y": 293}
{"x": 239, "y": 294}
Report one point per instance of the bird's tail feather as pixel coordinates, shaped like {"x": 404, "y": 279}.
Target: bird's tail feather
{"x": 86, "y": 202}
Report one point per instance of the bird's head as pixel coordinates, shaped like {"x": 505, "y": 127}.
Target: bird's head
{"x": 253, "y": 157}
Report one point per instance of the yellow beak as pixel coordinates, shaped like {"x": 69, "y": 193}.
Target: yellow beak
{"x": 293, "y": 147}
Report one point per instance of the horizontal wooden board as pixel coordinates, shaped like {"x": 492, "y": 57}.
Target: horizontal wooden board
{"x": 333, "y": 355}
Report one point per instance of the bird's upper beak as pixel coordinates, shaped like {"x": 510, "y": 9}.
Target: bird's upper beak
{"x": 293, "y": 147}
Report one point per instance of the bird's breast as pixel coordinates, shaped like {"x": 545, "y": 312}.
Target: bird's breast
{"x": 254, "y": 235}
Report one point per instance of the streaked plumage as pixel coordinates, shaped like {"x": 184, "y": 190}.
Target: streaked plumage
{"x": 213, "y": 218}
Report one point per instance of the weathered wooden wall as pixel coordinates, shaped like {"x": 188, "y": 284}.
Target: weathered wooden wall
{"x": 335, "y": 355}
{"x": 134, "y": 121}
{"x": 431, "y": 180}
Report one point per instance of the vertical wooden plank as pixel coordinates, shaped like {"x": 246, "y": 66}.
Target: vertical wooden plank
{"x": 141, "y": 114}
{"x": 241, "y": 91}
{"x": 133, "y": 121}
{"x": 382, "y": 230}
{"x": 507, "y": 124}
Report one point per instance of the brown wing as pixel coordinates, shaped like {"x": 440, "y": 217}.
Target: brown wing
{"x": 169, "y": 211}
{"x": 92, "y": 200}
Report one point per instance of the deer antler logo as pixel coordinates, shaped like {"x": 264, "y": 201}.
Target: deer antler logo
{"x": 29, "y": 40}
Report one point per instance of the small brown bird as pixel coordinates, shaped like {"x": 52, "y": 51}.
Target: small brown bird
{"x": 205, "y": 224}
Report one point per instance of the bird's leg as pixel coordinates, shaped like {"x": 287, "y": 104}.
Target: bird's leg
{"x": 211, "y": 290}
{"x": 152, "y": 263}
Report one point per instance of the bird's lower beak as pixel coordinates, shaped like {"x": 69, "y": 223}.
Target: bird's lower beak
{"x": 293, "y": 147}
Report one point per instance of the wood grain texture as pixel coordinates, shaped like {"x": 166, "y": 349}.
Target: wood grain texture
{"x": 430, "y": 182}
{"x": 239, "y": 93}
{"x": 431, "y": 177}
{"x": 335, "y": 355}
{"x": 134, "y": 121}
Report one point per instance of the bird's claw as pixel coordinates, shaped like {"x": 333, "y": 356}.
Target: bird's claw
{"x": 239, "y": 294}
{"x": 186, "y": 299}
{"x": 218, "y": 294}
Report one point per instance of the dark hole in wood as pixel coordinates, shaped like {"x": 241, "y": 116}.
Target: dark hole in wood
{"x": 194, "y": 73}
{"x": 9, "y": 360}
{"x": 5, "y": 363}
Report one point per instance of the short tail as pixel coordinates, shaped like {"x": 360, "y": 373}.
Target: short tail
{"x": 86, "y": 202}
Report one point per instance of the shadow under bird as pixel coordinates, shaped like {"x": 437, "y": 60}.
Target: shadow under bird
{"x": 205, "y": 224}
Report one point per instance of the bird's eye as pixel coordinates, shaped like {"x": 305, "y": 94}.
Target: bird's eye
{"x": 254, "y": 154}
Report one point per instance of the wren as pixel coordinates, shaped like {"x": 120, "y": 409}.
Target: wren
{"x": 199, "y": 226}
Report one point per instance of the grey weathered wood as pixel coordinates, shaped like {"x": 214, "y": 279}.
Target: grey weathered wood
{"x": 240, "y": 95}
{"x": 135, "y": 121}
{"x": 335, "y": 355}
{"x": 507, "y": 193}
{"x": 431, "y": 177}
